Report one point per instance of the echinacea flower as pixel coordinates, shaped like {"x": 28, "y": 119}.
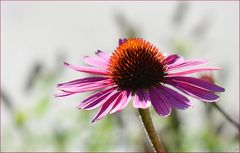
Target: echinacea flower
{"x": 138, "y": 69}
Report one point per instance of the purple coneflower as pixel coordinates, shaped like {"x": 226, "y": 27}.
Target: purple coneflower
{"x": 138, "y": 69}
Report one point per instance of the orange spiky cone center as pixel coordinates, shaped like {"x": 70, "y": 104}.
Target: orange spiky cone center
{"x": 136, "y": 64}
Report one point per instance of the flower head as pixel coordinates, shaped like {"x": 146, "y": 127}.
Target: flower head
{"x": 138, "y": 69}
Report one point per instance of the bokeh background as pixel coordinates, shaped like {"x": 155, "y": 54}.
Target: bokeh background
{"x": 36, "y": 37}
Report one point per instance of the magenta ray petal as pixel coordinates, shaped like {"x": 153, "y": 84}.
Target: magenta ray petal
{"x": 171, "y": 59}
{"x": 84, "y": 87}
{"x": 118, "y": 101}
{"x": 199, "y": 83}
{"x": 178, "y": 60}
{"x": 118, "y": 106}
{"x": 159, "y": 102}
{"x": 105, "y": 56}
{"x": 85, "y": 69}
{"x": 96, "y": 100}
{"x": 95, "y": 61}
{"x": 63, "y": 94}
{"x": 175, "y": 99}
{"x": 141, "y": 99}
{"x": 194, "y": 91}
{"x": 95, "y": 96}
{"x": 195, "y": 70}
{"x": 107, "y": 106}
{"x": 82, "y": 81}
{"x": 187, "y": 64}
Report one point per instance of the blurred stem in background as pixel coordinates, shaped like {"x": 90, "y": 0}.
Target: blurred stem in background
{"x": 227, "y": 117}
{"x": 174, "y": 128}
{"x": 126, "y": 28}
{"x": 18, "y": 116}
{"x": 60, "y": 136}
{"x": 180, "y": 12}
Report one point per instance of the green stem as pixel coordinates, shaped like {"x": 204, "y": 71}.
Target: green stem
{"x": 150, "y": 130}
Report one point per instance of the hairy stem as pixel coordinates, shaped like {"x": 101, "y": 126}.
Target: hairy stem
{"x": 226, "y": 116}
{"x": 150, "y": 130}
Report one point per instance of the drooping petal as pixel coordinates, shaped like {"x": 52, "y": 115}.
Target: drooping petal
{"x": 187, "y": 63}
{"x": 85, "y": 69}
{"x": 125, "y": 99}
{"x": 105, "y": 56}
{"x": 170, "y": 59}
{"x": 194, "y": 91}
{"x": 107, "y": 106}
{"x": 141, "y": 99}
{"x": 96, "y": 61}
{"x": 195, "y": 70}
{"x": 96, "y": 99}
{"x": 159, "y": 102}
{"x": 175, "y": 99}
{"x": 199, "y": 83}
